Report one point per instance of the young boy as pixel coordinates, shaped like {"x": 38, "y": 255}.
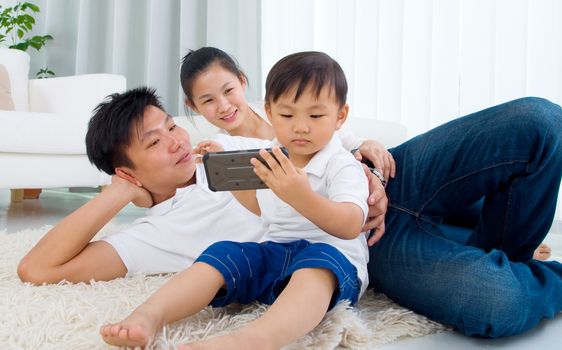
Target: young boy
{"x": 314, "y": 254}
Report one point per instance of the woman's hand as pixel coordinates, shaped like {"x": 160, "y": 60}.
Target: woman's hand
{"x": 378, "y": 203}
{"x": 283, "y": 178}
{"x": 379, "y": 156}
{"x": 207, "y": 146}
{"x": 139, "y": 196}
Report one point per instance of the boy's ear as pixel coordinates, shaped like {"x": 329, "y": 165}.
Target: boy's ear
{"x": 267, "y": 108}
{"x": 342, "y": 116}
{"x": 126, "y": 174}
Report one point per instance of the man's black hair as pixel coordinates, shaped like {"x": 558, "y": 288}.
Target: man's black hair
{"x": 110, "y": 128}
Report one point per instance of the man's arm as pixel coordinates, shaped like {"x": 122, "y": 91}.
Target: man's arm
{"x": 378, "y": 204}
{"x": 66, "y": 253}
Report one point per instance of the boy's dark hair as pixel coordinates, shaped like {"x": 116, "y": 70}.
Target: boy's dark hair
{"x": 198, "y": 61}
{"x": 109, "y": 129}
{"x": 304, "y": 69}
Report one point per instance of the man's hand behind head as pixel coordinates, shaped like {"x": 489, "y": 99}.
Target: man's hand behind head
{"x": 139, "y": 196}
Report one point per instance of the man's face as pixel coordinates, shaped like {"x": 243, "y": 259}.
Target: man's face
{"x": 161, "y": 154}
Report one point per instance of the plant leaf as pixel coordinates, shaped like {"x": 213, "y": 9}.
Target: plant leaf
{"x": 20, "y": 46}
{"x": 33, "y": 7}
{"x": 29, "y": 18}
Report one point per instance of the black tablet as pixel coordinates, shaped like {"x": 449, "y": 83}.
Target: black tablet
{"x": 232, "y": 170}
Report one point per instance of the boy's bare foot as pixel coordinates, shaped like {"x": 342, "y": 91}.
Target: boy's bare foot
{"x": 240, "y": 339}
{"x": 542, "y": 252}
{"x": 135, "y": 330}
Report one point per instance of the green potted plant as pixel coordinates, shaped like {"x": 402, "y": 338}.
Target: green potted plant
{"x": 16, "y": 24}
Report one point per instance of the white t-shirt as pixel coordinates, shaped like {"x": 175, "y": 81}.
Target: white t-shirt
{"x": 333, "y": 173}
{"x": 347, "y": 137}
{"x": 175, "y": 232}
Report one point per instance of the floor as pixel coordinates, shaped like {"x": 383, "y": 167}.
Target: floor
{"x": 54, "y": 204}
{"x": 51, "y": 207}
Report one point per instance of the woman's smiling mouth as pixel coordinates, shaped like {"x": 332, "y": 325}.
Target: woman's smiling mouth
{"x": 230, "y": 117}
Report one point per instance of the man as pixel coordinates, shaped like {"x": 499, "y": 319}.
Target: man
{"x": 132, "y": 137}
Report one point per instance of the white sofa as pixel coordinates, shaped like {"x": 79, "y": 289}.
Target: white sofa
{"x": 42, "y": 141}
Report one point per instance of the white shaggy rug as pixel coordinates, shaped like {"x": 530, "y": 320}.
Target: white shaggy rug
{"x": 68, "y": 316}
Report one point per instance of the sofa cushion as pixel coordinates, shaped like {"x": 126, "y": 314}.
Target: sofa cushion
{"x": 42, "y": 133}
{"x": 17, "y": 65}
{"x": 6, "y": 102}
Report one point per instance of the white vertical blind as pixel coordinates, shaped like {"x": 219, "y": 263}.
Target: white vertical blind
{"x": 477, "y": 55}
{"x": 424, "y": 62}
{"x": 445, "y": 64}
{"x": 416, "y": 63}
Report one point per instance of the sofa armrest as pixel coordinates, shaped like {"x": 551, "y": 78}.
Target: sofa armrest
{"x": 198, "y": 128}
{"x": 390, "y": 134}
{"x": 73, "y": 94}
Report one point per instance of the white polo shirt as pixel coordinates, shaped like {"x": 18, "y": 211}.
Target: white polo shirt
{"x": 333, "y": 173}
{"x": 175, "y": 232}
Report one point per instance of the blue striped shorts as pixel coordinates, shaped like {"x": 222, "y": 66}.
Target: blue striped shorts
{"x": 260, "y": 271}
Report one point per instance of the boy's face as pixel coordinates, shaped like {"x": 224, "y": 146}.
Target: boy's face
{"x": 304, "y": 127}
{"x": 161, "y": 154}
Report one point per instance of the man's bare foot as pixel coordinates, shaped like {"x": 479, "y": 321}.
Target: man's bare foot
{"x": 135, "y": 330}
{"x": 240, "y": 339}
{"x": 542, "y": 252}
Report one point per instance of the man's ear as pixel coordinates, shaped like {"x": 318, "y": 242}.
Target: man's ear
{"x": 126, "y": 174}
{"x": 342, "y": 116}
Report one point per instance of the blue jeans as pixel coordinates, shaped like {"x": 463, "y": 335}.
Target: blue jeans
{"x": 510, "y": 154}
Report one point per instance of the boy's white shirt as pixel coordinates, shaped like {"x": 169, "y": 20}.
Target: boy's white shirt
{"x": 333, "y": 173}
{"x": 175, "y": 232}
{"x": 347, "y": 137}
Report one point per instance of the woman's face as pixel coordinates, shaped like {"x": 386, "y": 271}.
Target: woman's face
{"x": 218, "y": 95}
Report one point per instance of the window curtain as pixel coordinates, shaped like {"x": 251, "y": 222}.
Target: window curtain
{"x": 144, "y": 40}
{"x": 424, "y": 62}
